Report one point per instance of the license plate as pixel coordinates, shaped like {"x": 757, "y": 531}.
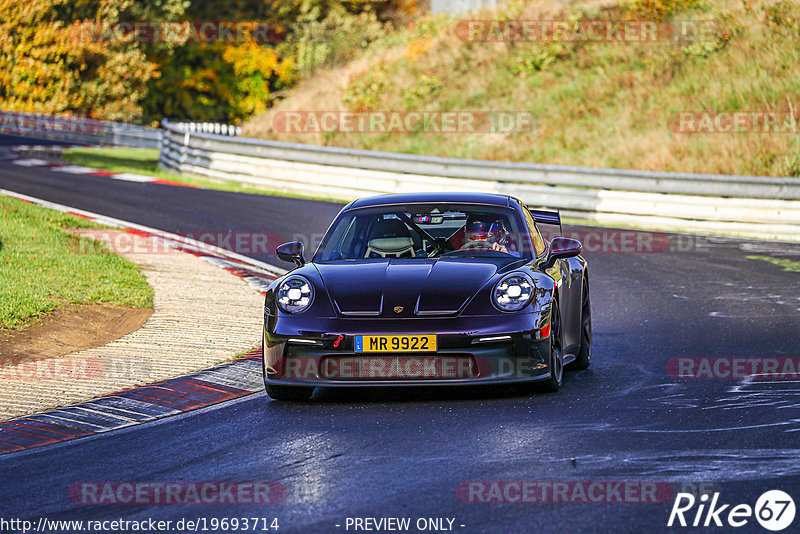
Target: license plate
{"x": 412, "y": 343}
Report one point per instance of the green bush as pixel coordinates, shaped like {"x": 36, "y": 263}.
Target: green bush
{"x": 424, "y": 92}
{"x": 364, "y": 92}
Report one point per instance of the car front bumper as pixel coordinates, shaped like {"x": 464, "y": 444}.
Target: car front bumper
{"x": 471, "y": 351}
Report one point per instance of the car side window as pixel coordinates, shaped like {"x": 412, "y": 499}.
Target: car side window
{"x": 538, "y": 241}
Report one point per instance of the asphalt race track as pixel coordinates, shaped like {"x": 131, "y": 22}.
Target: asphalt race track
{"x": 7, "y": 140}
{"x": 406, "y": 453}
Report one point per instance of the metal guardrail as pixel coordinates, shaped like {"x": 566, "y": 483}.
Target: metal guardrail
{"x": 758, "y": 206}
{"x": 460, "y": 6}
{"x": 209, "y": 127}
{"x": 81, "y": 130}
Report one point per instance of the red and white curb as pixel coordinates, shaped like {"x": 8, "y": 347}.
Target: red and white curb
{"x": 227, "y": 381}
{"x": 22, "y": 161}
{"x": 231, "y": 380}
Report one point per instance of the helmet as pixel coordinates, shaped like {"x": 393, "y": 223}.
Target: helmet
{"x": 477, "y": 229}
{"x": 498, "y": 233}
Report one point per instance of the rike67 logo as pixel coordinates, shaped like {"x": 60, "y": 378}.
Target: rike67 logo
{"x": 774, "y": 510}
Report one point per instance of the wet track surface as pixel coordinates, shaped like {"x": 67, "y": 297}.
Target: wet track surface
{"x": 403, "y": 453}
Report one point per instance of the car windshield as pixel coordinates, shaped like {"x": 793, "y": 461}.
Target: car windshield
{"x": 425, "y": 231}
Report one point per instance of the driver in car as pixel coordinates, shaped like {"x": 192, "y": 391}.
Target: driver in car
{"x": 480, "y": 230}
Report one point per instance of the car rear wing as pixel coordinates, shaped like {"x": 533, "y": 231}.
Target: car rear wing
{"x": 549, "y": 222}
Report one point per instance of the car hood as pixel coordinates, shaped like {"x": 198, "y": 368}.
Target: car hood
{"x": 405, "y": 288}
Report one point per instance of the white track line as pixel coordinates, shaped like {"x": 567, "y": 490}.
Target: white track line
{"x": 128, "y": 177}
{"x": 31, "y": 162}
{"x": 185, "y": 241}
{"x": 74, "y": 169}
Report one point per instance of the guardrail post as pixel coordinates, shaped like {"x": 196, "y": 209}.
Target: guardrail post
{"x": 184, "y": 148}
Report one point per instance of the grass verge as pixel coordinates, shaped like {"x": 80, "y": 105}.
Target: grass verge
{"x": 596, "y": 103}
{"x": 145, "y": 161}
{"x": 120, "y": 160}
{"x": 786, "y": 264}
{"x": 44, "y": 266}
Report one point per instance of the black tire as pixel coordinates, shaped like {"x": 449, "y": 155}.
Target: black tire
{"x": 290, "y": 393}
{"x": 585, "y": 353}
{"x": 553, "y": 383}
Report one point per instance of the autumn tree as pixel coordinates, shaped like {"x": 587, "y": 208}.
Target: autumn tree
{"x": 66, "y": 56}
{"x": 54, "y": 60}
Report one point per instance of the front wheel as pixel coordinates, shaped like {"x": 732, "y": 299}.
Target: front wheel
{"x": 290, "y": 393}
{"x": 585, "y": 353}
{"x": 553, "y": 383}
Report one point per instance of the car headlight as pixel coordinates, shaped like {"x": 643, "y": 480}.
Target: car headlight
{"x": 295, "y": 294}
{"x": 513, "y": 292}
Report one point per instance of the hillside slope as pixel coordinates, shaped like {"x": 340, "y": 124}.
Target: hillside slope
{"x": 602, "y": 104}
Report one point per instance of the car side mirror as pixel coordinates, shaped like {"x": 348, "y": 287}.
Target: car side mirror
{"x": 562, "y": 247}
{"x": 291, "y": 252}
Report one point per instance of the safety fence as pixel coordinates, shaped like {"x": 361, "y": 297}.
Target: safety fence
{"x": 758, "y": 206}
{"x": 84, "y": 131}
